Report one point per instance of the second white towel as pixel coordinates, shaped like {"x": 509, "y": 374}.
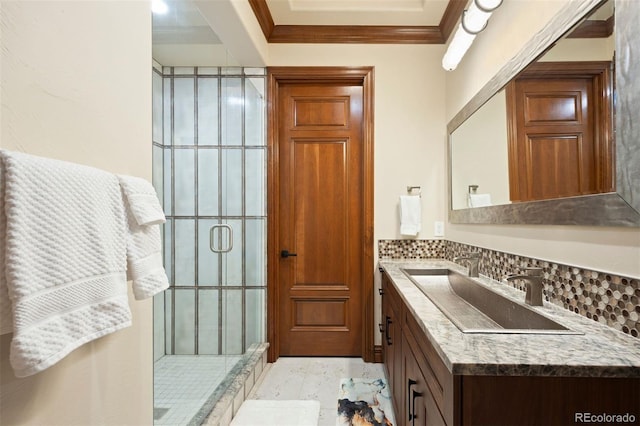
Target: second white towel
{"x": 410, "y": 214}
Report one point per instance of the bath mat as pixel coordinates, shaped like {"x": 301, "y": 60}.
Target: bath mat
{"x": 277, "y": 413}
{"x": 364, "y": 402}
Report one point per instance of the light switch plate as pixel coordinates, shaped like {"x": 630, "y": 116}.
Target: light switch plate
{"x": 438, "y": 229}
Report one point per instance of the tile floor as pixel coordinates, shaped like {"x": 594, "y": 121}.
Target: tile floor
{"x": 183, "y": 383}
{"x": 292, "y": 378}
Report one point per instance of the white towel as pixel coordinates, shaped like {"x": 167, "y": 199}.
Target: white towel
{"x": 410, "y": 214}
{"x": 142, "y": 199}
{"x": 144, "y": 246}
{"x": 479, "y": 200}
{"x": 65, "y": 258}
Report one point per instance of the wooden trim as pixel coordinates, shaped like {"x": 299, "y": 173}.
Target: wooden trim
{"x": 263, "y": 14}
{"x": 273, "y": 212}
{"x": 593, "y": 29}
{"x": 450, "y": 18}
{"x": 362, "y": 34}
{"x": 377, "y": 354}
{"x": 363, "y": 76}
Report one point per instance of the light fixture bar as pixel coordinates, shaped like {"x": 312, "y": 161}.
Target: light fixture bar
{"x": 473, "y": 21}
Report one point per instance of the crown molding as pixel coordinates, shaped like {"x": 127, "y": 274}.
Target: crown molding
{"x": 361, "y": 34}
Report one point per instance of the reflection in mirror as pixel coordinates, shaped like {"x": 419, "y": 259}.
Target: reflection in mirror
{"x": 618, "y": 207}
{"x": 544, "y": 137}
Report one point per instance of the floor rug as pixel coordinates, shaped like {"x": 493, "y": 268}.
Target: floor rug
{"x": 265, "y": 412}
{"x": 364, "y": 402}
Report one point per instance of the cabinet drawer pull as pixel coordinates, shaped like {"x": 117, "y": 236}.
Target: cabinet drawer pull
{"x": 412, "y": 415}
{"x": 409, "y": 384}
{"x": 380, "y": 291}
{"x": 386, "y": 333}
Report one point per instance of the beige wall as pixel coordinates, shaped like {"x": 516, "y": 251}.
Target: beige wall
{"x": 76, "y": 85}
{"x": 615, "y": 250}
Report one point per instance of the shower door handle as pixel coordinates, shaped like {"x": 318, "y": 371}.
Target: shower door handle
{"x": 212, "y": 238}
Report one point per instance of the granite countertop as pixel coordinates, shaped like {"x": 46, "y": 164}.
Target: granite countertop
{"x": 600, "y": 352}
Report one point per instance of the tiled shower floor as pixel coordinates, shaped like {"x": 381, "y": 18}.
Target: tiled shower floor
{"x": 184, "y": 383}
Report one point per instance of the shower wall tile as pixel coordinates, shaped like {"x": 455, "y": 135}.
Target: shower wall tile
{"x": 208, "y": 321}
{"x": 185, "y": 252}
{"x": 232, "y": 323}
{"x": 255, "y": 182}
{"x": 168, "y": 320}
{"x": 255, "y": 309}
{"x": 232, "y": 171}
{"x": 208, "y": 111}
{"x": 231, "y": 114}
{"x": 208, "y": 194}
{"x": 157, "y": 103}
{"x": 610, "y": 299}
{"x": 255, "y": 259}
{"x": 184, "y": 111}
{"x": 232, "y": 262}
{"x": 208, "y": 261}
{"x": 185, "y": 321}
{"x": 254, "y": 123}
{"x": 184, "y": 170}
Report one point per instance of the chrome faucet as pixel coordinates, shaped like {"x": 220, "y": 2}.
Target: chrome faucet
{"x": 473, "y": 259}
{"x": 533, "y": 281}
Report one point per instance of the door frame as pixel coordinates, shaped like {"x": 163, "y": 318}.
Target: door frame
{"x": 360, "y": 76}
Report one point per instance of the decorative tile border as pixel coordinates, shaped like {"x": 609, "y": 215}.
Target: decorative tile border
{"x": 607, "y": 298}
{"x": 411, "y": 249}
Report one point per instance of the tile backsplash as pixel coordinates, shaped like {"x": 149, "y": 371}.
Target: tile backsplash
{"x": 610, "y": 299}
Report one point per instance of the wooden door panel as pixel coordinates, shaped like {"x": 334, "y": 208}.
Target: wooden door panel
{"x": 320, "y": 184}
{"x": 320, "y": 113}
{"x": 555, "y": 148}
{"x": 559, "y": 165}
{"x": 321, "y": 219}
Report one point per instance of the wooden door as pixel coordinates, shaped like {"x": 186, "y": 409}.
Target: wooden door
{"x": 559, "y": 140}
{"x": 322, "y": 290}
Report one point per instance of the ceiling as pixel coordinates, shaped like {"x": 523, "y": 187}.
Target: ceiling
{"x": 322, "y": 21}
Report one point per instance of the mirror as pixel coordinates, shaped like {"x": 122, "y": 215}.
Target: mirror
{"x": 484, "y": 130}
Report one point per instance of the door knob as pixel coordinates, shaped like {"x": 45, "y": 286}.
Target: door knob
{"x": 285, "y": 254}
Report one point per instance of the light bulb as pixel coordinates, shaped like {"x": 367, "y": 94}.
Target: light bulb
{"x": 159, "y": 7}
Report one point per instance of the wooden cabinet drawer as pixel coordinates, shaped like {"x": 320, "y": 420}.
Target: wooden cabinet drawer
{"x": 436, "y": 374}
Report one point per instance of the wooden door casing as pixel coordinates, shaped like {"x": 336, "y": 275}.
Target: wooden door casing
{"x": 560, "y": 137}
{"x": 320, "y": 207}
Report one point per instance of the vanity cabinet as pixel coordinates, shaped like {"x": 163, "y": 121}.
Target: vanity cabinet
{"x": 425, "y": 392}
{"x": 415, "y": 373}
{"x": 391, "y": 340}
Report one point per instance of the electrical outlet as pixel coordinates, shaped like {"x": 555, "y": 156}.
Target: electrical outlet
{"x": 438, "y": 229}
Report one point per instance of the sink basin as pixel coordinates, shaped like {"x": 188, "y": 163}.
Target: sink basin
{"x": 474, "y": 308}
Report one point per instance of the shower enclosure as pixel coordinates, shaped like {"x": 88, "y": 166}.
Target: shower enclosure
{"x": 209, "y": 166}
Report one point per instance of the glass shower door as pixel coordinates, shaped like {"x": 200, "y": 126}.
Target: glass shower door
{"x": 213, "y": 185}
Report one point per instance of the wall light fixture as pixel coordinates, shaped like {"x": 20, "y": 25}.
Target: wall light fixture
{"x": 473, "y": 20}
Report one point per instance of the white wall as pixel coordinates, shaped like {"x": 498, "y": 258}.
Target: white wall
{"x": 612, "y": 249}
{"x": 76, "y": 85}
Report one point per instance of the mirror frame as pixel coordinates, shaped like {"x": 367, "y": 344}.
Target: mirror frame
{"x": 620, "y": 208}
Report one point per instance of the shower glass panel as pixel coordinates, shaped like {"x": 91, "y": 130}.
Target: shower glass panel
{"x": 210, "y": 173}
